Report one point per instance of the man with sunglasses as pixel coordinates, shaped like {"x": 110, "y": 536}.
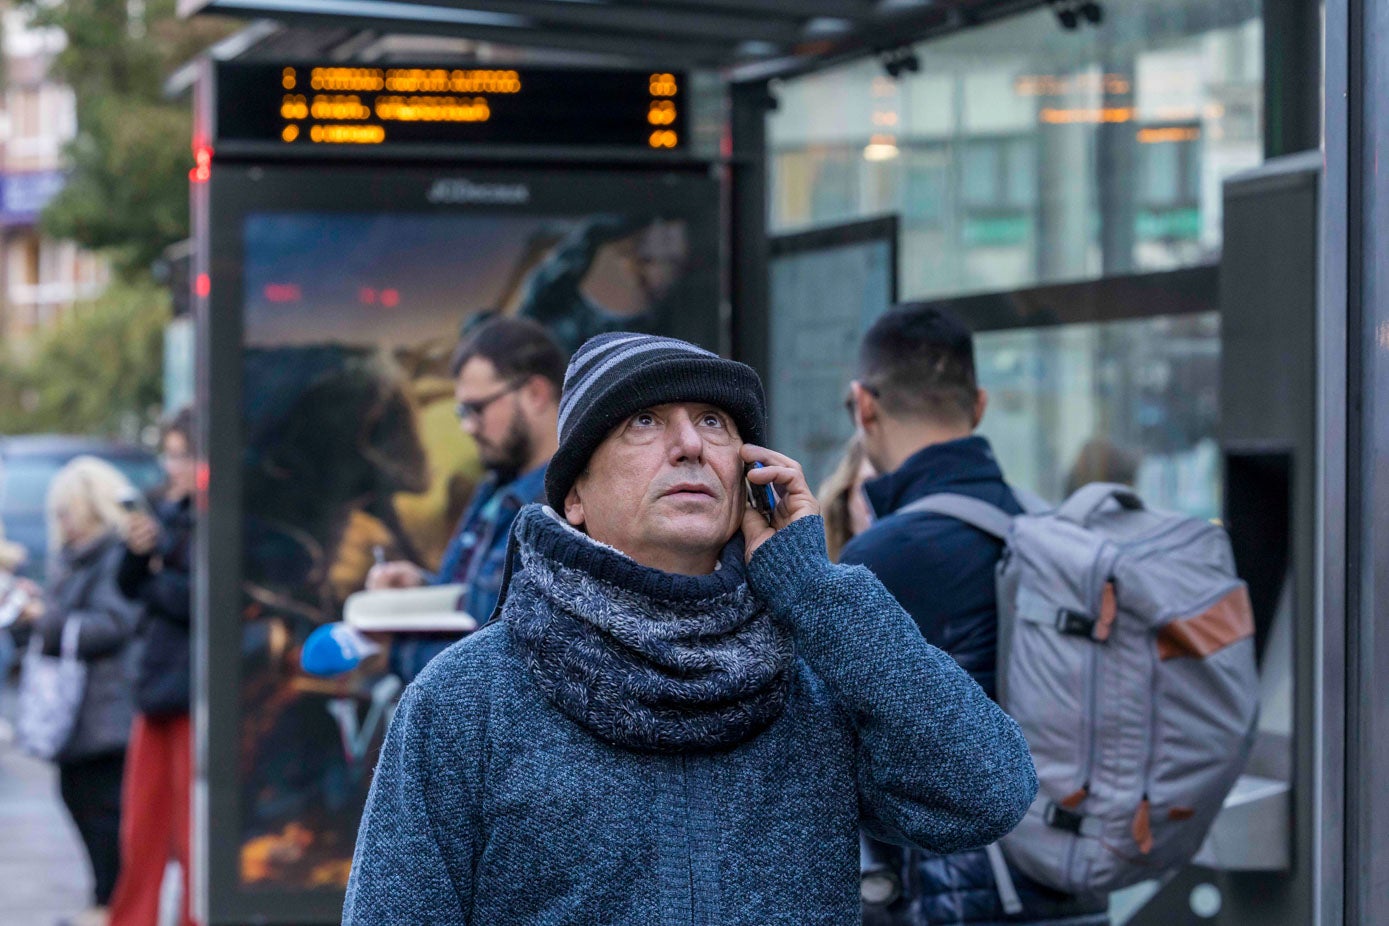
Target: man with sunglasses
{"x": 507, "y": 379}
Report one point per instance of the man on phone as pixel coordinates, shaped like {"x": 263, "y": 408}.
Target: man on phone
{"x": 683, "y": 712}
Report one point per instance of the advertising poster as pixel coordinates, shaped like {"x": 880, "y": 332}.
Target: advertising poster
{"x": 350, "y": 448}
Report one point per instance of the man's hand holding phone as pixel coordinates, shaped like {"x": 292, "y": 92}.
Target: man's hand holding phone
{"x": 794, "y": 498}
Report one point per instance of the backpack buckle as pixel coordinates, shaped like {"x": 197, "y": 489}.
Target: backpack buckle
{"x": 1074, "y": 623}
{"x": 1058, "y": 817}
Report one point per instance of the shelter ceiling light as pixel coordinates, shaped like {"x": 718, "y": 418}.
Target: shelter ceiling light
{"x": 1070, "y": 14}
{"x": 881, "y": 148}
{"x": 896, "y": 61}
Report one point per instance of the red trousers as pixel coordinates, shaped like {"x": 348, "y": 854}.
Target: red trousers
{"x": 155, "y": 818}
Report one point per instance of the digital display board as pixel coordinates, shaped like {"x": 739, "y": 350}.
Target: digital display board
{"x": 331, "y": 299}
{"x": 335, "y": 106}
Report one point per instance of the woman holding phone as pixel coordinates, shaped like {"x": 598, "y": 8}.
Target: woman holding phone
{"x": 155, "y": 572}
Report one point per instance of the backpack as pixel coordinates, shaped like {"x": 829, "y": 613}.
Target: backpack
{"x": 1126, "y": 655}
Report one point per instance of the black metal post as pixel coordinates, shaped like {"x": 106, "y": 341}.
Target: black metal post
{"x": 747, "y": 218}
{"x": 1292, "y": 58}
{"x": 1357, "y": 45}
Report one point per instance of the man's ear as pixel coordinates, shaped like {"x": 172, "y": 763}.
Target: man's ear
{"x": 537, "y": 392}
{"x": 981, "y": 402}
{"x": 574, "y": 507}
{"x": 868, "y": 411}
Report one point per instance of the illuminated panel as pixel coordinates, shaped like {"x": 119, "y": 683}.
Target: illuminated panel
{"x": 1094, "y": 115}
{"x": 334, "y": 105}
{"x": 1158, "y": 135}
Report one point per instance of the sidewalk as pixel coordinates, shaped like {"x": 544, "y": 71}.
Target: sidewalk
{"x": 43, "y": 871}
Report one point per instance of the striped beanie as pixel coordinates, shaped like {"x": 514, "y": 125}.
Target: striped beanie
{"x": 615, "y": 375}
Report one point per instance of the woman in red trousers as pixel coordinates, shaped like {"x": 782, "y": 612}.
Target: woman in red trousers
{"x": 159, "y": 761}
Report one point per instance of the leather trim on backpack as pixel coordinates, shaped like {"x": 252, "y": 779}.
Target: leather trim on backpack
{"x": 1109, "y": 610}
{"x": 1142, "y": 828}
{"x": 1229, "y": 620}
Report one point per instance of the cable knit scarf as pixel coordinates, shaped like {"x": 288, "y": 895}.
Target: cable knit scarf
{"x": 641, "y": 658}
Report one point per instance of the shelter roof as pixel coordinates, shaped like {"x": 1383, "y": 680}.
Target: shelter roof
{"x": 743, "y": 39}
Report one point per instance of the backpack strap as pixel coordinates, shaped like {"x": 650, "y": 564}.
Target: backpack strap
{"x": 988, "y": 518}
{"x": 1085, "y": 501}
{"x": 1030, "y": 502}
{"x": 1003, "y": 880}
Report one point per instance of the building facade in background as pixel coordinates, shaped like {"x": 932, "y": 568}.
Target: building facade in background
{"x": 1021, "y": 154}
{"x": 40, "y": 278}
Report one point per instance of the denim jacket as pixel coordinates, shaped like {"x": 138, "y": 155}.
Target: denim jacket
{"x": 475, "y": 558}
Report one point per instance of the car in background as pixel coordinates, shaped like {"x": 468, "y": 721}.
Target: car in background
{"x": 28, "y": 463}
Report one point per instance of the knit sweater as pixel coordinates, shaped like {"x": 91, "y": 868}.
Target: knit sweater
{"x": 498, "y": 800}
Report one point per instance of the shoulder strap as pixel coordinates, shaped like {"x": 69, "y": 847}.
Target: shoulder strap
{"x": 976, "y": 513}
{"x": 72, "y": 636}
{"x": 1030, "y": 502}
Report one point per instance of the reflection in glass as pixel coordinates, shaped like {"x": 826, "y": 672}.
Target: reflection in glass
{"x": 1023, "y": 154}
{"x": 1121, "y": 401}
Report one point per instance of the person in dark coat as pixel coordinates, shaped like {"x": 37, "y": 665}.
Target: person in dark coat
{"x": 86, "y": 524}
{"x": 156, "y": 572}
{"x": 916, "y": 404}
{"x": 683, "y": 711}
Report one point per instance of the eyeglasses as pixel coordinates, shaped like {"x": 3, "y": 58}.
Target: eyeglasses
{"x": 851, "y": 407}
{"x": 472, "y": 411}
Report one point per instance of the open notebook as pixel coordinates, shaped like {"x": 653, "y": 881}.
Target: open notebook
{"x": 432, "y": 609}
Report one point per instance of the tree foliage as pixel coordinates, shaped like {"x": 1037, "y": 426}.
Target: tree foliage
{"x": 98, "y": 371}
{"x": 127, "y": 190}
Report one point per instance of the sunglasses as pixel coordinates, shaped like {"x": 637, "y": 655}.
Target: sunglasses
{"x": 851, "y": 406}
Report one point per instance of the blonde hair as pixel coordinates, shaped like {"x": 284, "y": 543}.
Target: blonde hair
{"x": 96, "y": 486}
{"x": 834, "y": 498}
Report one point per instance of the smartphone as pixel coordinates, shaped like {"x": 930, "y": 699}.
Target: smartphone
{"x": 762, "y": 498}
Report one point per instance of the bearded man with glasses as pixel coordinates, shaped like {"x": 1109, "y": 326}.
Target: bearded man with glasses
{"x": 507, "y": 379}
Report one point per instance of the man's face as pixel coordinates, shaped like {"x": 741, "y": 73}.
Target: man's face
{"x": 490, "y": 414}
{"x": 665, "y": 487}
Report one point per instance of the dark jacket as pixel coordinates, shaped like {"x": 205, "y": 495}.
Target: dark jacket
{"x": 505, "y": 793}
{"x": 82, "y": 587}
{"x": 942, "y": 572}
{"x": 163, "y": 681}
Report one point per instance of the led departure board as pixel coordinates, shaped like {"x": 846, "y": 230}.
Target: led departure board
{"x": 336, "y": 106}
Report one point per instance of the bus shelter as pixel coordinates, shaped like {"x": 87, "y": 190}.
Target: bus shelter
{"x": 373, "y": 177}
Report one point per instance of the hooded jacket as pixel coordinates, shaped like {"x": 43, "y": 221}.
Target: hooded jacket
{"x": 627, "y": 746}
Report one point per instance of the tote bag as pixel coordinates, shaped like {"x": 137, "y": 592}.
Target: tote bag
{"x": 50, "y": 694}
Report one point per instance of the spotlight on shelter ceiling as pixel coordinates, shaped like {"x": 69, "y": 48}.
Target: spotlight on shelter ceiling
{"x": 1071, "y": 14}
{"x": 898, "y": 60}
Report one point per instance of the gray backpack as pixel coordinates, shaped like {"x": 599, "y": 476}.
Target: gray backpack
{"x": 1126, "y": 654}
